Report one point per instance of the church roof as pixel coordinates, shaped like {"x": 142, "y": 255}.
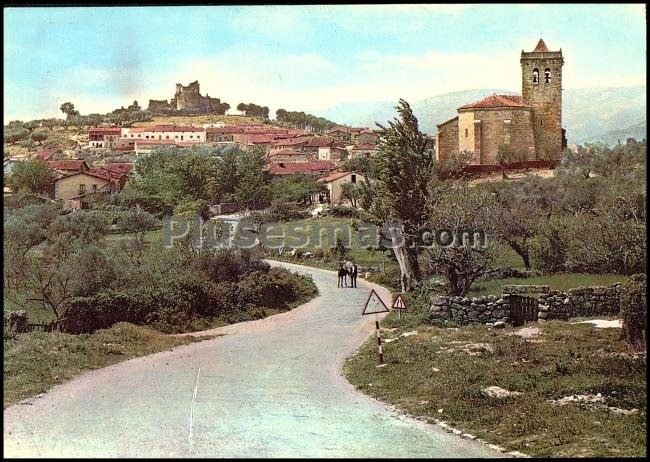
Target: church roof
{"x": 496, "y": 101}
{"x": 541, "y": 47}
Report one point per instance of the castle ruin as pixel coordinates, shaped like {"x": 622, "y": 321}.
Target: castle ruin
{"x": 188, "y": 100}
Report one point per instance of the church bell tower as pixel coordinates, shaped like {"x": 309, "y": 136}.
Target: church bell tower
{"x": 541, "y": 88}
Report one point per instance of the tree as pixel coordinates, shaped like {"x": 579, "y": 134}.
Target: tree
{"x": 39, "y": 137}
{"x": 454, "y": 166}
{"x": 28, "y": 144}
{"x": 252, "y": 187}
{"x": 15, "y": 124}
{"x": 79, "y": 121}
{"x": 506, "y": 155}
{"x": 296, "y": 189}
{"x": 33, "y": 176}
{"x": 352, "y": 192}
{"x": 515, "y": 217}
{"x": 12, "y": 137}
{"x": 404, "y": 166}
{"x": 31, "y": 125}
{"x": 69, "y": 264}
{"x": 137, "y": 222}
{"x": 634, "y": 311}
{"x": 458, "y": 253}
{"x": 50, "y": 123}
{"x": 69, "y": 110}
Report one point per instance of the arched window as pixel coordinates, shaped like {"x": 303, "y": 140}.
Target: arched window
{"x": 535, "y": 76}
{"x": 466, "y": 133}
{"x": 547, "y": 75}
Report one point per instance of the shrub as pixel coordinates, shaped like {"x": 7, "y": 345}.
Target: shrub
{"x": 182, "y": 302}
{"x": 633, "y": 311}
{"x": 341, "y": 211}
{"x": 390, "y": 278}
{"x": 282, "y": 211}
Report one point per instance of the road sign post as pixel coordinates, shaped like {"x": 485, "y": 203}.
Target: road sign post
{"x": 375, "y": 305}
{"x": 400, "y": 305}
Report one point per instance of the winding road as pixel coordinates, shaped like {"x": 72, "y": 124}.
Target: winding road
{"x": 267, "y": 388}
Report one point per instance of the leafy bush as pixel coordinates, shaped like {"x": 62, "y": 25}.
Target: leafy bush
{"x": 341, "y": 211}
{"x": 390, "y": 278}
{"x": 282, "y": 211}
{"x": 225, "y": 285}
{"x": 633, "y": 311}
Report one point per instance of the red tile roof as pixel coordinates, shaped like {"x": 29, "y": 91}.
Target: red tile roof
{"x": 300, "y": 168}
{"x": 94, "y": 173}
{"x": 114, "y": 130}
{"x": 140, "y": 142}
{"x": 166, "y": 128}
{"x": 118, "y": 167}
{"x": 335, "y": 176}
{"x": 320, "y": 141}
{"x": 292, "y": 141}
{"x": 262, "y": 139}
{"x": 73, "y": 164}
{"x": 364, "y": 147}
{"x": 288, "y": 152}
{"x": 497, "y": 101}
{"x": 46, "y": 154}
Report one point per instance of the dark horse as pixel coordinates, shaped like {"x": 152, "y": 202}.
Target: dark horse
{"x": 343, "y": 273}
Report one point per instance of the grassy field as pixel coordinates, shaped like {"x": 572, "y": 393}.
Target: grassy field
{"x": 439, "y": 374}
{"x": 34, "y": 363}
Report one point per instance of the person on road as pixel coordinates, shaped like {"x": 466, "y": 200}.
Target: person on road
{"x": 353, "y": 275}
{"x": 342, "y": 277}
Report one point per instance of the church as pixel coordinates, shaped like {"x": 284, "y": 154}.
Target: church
{"x": 531, "y": 124}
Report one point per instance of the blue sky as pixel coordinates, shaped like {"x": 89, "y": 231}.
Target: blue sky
{"x": 303, "y": 57}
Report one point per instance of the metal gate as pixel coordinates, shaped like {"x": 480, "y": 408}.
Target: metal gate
{"x": 522, "y": 309}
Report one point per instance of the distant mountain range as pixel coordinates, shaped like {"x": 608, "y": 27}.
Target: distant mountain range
{"x": 590, "y": 114}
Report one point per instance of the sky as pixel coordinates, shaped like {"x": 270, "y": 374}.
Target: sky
{"x": 307, "y": 58}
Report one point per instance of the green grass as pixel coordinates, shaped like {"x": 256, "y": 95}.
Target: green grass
{"x": 571, "y": 360}
{"x": 34, "y": 363}
{"x": 562, "y": 282}
{"x": 316, "y": 239}
{"x": 35, "y": 314}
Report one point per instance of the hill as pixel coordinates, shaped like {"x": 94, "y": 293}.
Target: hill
{"x": 589, "y": 113}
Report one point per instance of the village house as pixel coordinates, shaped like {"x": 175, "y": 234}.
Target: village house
{"x": 297, "y": 143}
{"x": 103, "y": 137}
{"x": 315, "y": 168}
{"x": 47, "y": 154}
{"x": 145, "y": 146}
{"x": 364, "y": 136}
{"x": 335, "y": 182}
{"x": 363, "y": 150}
{"x": 77, "y": 185}
{"x": 340, "y": 133}
{"x": 290, "y": 155}
{"x": 65, "y": 167}
{"x": 118, "y": 168}
{"x": 180, "y": 133}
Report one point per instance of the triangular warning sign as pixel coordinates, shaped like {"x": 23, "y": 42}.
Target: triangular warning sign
{"x": 374, "y": 304}
{"x": 399, "y": 303}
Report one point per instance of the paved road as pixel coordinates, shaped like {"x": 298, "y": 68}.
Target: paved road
{"x": 268, "y": 388}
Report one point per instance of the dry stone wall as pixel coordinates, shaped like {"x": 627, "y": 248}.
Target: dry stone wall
{"x": 552, "y": 304}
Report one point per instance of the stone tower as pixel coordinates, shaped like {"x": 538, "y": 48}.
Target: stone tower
{"x": 541, "y": 88}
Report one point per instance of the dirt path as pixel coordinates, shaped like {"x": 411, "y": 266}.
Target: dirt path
{"x": 268, "y": 388}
